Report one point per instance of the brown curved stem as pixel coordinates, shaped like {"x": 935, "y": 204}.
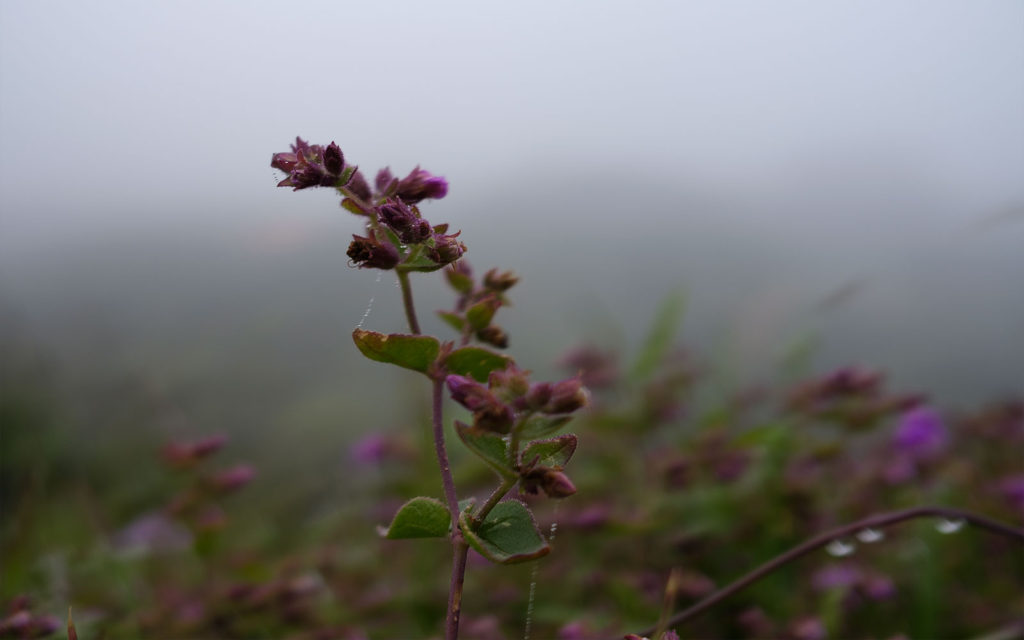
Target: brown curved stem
{"x": 878, "y": 521}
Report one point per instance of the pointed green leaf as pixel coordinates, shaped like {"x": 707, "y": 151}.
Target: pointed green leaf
{"x": 412, "y": 352}
{"x": 538, "y": 426}
{"x": 554, "y": 452}
{"x": 475, "y": 362}
{"x": 453, "y": 320}
{"x": 659, "y": 339}
{"x": 459, "y": 281}
{"x": 420, "y": 518}
{"x": 419, "y": 262}
{"x": 491, "y": 447}
{"x": 480, "y": 314}
{"x": 508, "y": 534}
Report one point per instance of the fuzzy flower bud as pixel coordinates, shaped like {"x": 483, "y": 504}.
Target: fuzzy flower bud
{"x": 496, "y": 281}
{"x": 494, "y": 336}
{"x": 369, "y": 253}
{"x": 447, "y": 249}
{"x": 421, "y": 185}
{"x": 552, "y": 482}
{"x": 409, "y": 227}
{"x": 566, "y": 396}
{"x": 233, "y": 479}
{"x": 334, "y": 160}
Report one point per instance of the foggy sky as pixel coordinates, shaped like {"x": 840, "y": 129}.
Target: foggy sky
{"x": 123, "y": 115}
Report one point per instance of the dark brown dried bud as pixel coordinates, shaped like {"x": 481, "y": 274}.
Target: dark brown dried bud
{"x": 496, "y": 281}
{"x": 369, "y": 253}
{"x": 493, "y": 335}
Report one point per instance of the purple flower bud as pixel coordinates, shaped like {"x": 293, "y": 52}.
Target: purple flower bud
{"x": 369, "y": 253}
{"x": 181, "y": 454}
{"x": 566, "y": 396}
{"x": 495, "y": 417}
{"x": 409, "y": 227}
{"x": 233, "y": 479}
{"x": 468, "y": 392}
{"x": 539, "y": 395}
{"x": 334, "y": 160}
{"x": 511, "y": 379}
{"x": 552, "y": 482}
{"x": 358, "y": 186}
{"x": 284, "y": 161}
{"x": 920, "y": 433}
{"x": 446, "y": 249}
{"x": 384, "y": 182}
{"x": 421, "y": 185}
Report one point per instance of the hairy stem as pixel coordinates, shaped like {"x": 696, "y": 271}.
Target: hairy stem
{"x": 878, "y": 521}
{"x": 459, "y": 547}
{"x": 451, "y": 628}
{"x": 442, "y": 456}
{"x": 410, "y": 308}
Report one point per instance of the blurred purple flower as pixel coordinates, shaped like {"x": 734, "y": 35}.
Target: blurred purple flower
{"x": 835, "y": 576}
{"x": 153, "y": 532}
{"x": 921, "y": 433}
{"x": 1012, "y": 488}
{"x": 375, "y": 448}
{"x": 234, "y": 478}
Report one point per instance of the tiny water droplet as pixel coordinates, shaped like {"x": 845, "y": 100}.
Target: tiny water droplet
{"x": 839, "y": 548}
{"x": 869, "y": 535}
{"x": 950, "y": 526}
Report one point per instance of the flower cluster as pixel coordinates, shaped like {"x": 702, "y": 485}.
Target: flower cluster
{"x": 397, "y": 236}
{"x": 510, "y": 405}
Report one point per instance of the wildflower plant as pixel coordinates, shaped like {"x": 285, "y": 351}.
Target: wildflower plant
{"x": 514, "y": 420}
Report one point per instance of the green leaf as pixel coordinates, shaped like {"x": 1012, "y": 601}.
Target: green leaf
{"x": 659, "y": 339}
{"x": 475, "y": 362}
{"x": 538, "y": 426}
{"x": 491, "y": 447}
{"x": 507, "y": 535}
{"x": 412, "y": 352}
{"x": 453, "y": 320}
{"x": 459, "y": 281}
{"x": 420, "y": 518}
{"x": 350, "y": 205}
{"x": 419, "y": 262}
{"x": 480, "y": 314}
{"x": 554, "y": 452}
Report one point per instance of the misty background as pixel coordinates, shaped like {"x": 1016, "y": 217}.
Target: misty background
{"x": 843, "y": 178}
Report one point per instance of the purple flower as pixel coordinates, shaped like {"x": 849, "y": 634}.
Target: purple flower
{"x": 421, "y": 185}
{"x": 921, "y": 433}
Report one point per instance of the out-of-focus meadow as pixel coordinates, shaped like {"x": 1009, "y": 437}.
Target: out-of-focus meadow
{"x": 728, "y": 221}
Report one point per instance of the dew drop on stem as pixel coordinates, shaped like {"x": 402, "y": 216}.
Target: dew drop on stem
{"x": 869, "y": 535}
{"x": 948, "y": 526}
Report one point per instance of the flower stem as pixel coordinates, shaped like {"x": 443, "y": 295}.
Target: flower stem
{"x": 451, "y": 627}
{"x": 499, "y": 493}
{"x": 878, "y": 521}
{"x": 410, "y": 308}
{"x": 459, "y": 547}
